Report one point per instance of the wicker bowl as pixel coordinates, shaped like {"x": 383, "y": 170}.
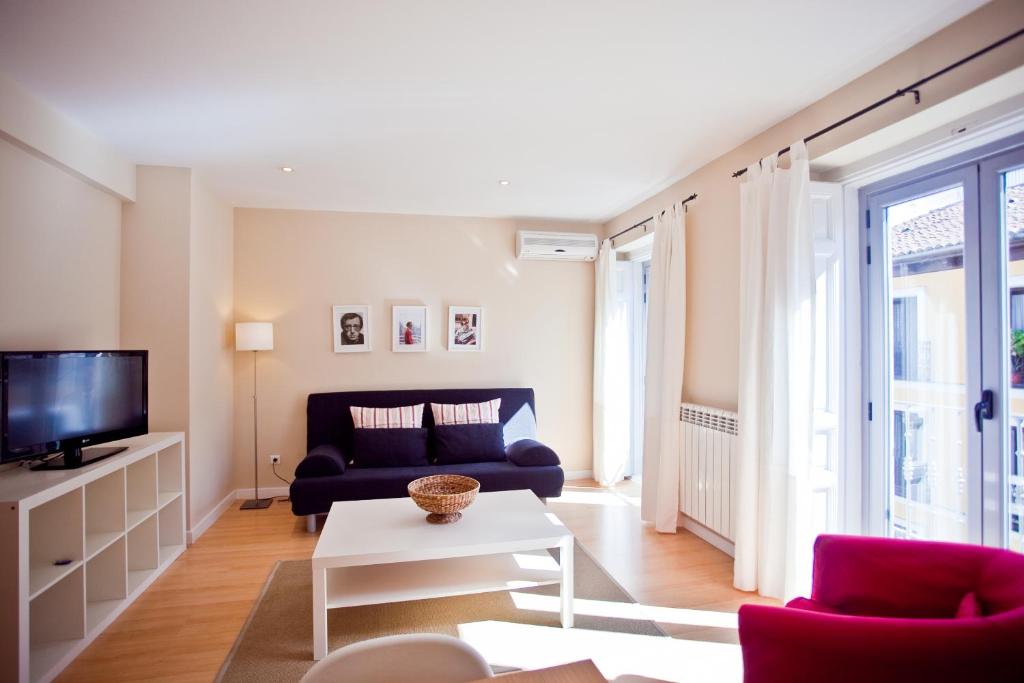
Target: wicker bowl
{"x": 443, "y": 496}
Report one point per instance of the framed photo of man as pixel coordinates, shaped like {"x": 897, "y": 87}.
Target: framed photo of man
{"x": 408, "y": 328}
{"x": 465, "y": 328}
{"x": 350, "y": 328}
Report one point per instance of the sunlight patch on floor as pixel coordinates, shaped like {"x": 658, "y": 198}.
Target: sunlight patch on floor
{"x": 628, "y": 610}
{"x": 534, "y": 647}
{"x": 592, "y": 497}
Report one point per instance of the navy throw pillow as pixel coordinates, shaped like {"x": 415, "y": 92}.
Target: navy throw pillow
{"x": 458, "y": 444}
{"x": 530, "y": 453}
{"x": 389, "y": 447}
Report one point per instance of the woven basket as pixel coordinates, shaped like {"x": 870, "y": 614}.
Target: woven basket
{"x": 443, "y": 496}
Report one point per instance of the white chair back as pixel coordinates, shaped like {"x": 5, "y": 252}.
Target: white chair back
{"x": 420, "y": 657}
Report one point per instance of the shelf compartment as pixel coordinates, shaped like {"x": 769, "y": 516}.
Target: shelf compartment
{"x": 137, "y": 517}
{"x": 172, "y": 525}
{"x": 143, "y": 553}
{"x": 56, "y": 623}
{"x": 169, "y": 469}
{"x": 141, "y": 483}
{"x": 105, "y": 575}
{"x": 104, "y": 512}
{"x": 55, "y": 533}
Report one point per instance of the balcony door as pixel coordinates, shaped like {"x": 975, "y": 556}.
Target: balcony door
{"x": 944, "y": 313}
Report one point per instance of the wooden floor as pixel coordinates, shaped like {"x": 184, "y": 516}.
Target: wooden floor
{"x": 182, "y": 628}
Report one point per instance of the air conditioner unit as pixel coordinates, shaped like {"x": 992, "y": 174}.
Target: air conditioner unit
{"x": 555, "y": 246}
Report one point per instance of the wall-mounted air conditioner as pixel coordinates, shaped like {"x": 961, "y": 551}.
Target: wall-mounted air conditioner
{"x": 555, "y": 246}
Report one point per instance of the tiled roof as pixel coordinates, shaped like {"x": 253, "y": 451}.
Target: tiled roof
{"x": 943, "y": 227}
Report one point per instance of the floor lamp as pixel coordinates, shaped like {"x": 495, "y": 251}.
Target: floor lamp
{"x": 255, "y": 337}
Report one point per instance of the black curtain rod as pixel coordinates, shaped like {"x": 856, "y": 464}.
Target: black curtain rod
{"x": 912, "y": 88}
{"x": 648, "y": 220}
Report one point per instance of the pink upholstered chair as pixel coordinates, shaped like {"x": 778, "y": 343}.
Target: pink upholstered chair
{"x": 891, "y": 610}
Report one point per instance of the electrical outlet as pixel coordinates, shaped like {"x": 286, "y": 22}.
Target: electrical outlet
{"x": 275, "y": 459}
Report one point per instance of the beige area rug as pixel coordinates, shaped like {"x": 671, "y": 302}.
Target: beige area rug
{"x": 276, "y": 642}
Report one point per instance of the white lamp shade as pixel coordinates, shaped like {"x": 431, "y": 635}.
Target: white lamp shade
{"x": 254, "y": 336}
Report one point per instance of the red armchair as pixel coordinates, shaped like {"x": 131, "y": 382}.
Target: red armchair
{"x": 890, "y": 610}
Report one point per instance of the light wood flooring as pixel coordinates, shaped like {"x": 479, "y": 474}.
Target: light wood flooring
{"x": 182, "y": 628}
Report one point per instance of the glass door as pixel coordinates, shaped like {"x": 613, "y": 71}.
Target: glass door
{"x": 1002, "y": 218}
{"x": 944, "y": 313}
{"x": 925, "y": 338}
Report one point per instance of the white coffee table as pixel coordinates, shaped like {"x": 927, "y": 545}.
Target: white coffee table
{"x": 378, "y": 551}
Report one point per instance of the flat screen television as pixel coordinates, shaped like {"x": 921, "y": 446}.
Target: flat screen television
{"x": 64, "y": 401}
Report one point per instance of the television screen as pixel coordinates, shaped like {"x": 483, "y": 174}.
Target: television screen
{"x": 52, "y": 400}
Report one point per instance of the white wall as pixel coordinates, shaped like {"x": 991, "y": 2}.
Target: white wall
{"x": 211, "y": 353}
{"x": 292, "y": 266}
{"x": 60, "y": 271}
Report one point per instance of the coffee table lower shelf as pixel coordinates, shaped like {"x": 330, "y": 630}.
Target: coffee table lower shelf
{"x": 425, "y": 579}
{"x": 381, "y": 583}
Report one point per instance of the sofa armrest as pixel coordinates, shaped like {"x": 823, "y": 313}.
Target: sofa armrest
{"x": 531, "y": 453}
{"x": 894, "y": 578}
{"x": 324, "y": 460}
{"x": 785, "y": 644}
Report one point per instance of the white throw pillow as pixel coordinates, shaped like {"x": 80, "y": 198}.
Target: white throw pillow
{"x": 466, "y": 413}
{"x": 403, "y": 417}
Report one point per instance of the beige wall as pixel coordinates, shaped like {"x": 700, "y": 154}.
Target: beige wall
{"x": 154, "y": 288}
{"x": 60, "y": 243}
{"x": 211, "y": 356}
{"x": 292, "y": 266}
{"x": 712, "y": 326}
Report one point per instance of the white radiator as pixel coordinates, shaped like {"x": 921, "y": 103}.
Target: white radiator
{"x": 709, "y": 447}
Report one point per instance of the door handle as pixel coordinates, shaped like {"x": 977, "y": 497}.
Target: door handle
{"x": 983, "y": 409}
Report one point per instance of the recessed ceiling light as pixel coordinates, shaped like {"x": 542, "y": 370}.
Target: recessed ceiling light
{"x": 287, "y": 169}
{"x": 504, "y": 182}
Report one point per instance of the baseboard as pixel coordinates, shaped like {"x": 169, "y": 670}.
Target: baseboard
{"x": 193, "y": 534}
{"x": 265, "y": 492}
{"x": 706, "y": 534}
{"x": 579, "y": 474}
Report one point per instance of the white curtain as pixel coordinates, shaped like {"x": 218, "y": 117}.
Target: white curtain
{"x": 776, "y": 377}
{"x": 611, "y": 373}
{"x": 663, "y": 379}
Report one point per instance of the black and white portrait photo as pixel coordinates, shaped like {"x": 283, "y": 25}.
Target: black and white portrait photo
{"x": 351, "y": 328}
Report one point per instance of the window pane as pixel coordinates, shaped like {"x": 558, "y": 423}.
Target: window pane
{"x": 1012, "y": 185}
{"x": 927, "y": 492}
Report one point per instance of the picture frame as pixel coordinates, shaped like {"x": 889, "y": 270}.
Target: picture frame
{"x": 465, "y": 329}
{"x": 349, "y": 334}
{"x": 409, "y": 329}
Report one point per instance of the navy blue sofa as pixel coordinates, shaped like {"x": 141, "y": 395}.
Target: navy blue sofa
{"x": 327, "y": 473}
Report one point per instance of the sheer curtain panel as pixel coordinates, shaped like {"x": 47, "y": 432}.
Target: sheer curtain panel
{"x": 666, "y": 344}
{"x": 611, "y": 373}
{"x": 776, "y": 378}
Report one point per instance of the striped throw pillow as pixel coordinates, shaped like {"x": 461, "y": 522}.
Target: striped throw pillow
{"x": 466, "y": 413}
{"x": 404, "y": 417}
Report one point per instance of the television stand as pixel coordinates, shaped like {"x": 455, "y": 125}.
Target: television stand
{"x": 73, "y": 458}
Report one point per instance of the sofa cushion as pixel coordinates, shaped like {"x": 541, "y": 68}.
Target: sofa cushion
{"x": 530, "y": 453}
{"x": 395, "y": 447}
{"x": 454, "y": 444}
{"x": 314, "y": 496}
{"x": 485, "y": 412}
{"x": 402, "y": 417}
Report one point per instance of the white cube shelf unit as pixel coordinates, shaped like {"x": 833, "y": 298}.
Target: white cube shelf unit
{"x": 87, "y": 542}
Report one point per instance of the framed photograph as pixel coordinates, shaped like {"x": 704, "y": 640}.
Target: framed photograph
{"x": 350, "y": 327}
{"x": 408, "y": 328}
{"x": 465, "y": 328}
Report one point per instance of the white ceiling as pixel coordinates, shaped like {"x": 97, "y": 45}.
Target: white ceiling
{"x": 412, "y": 106}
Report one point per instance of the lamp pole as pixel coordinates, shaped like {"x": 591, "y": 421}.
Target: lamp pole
{"x": 255, "y": 503}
